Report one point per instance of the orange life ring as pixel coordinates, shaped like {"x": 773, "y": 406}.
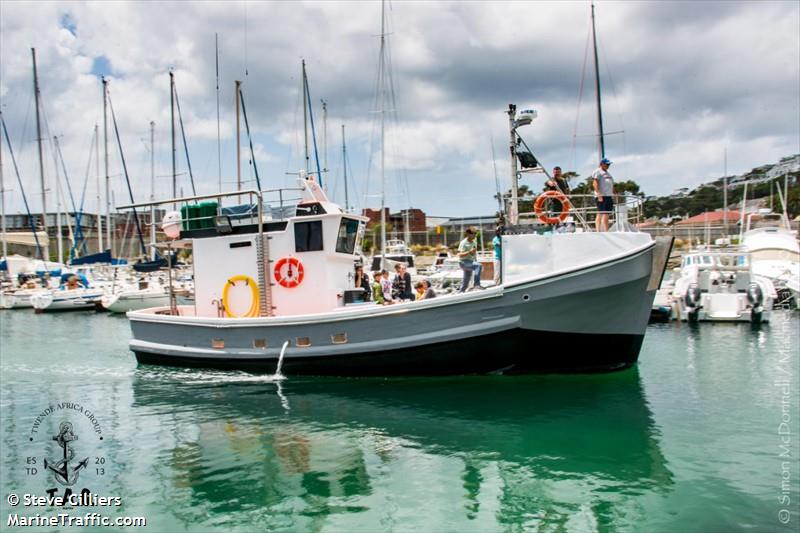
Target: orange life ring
{"x": 294, "y": 272}
{"x": 538, "y": 207}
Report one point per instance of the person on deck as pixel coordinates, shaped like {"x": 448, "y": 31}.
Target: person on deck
{"x": 497, "y": 245}
{"x": 377, "y": 290}
{"x": 603, "y": 185}
{"x": 362, "y": 281}
{"x": 558, "y": 182}
{"x": 467, "y": 250}
{"x": 386, "y": 287}
{"x": 402, "y": 288}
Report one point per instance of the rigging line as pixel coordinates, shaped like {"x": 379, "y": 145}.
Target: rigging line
{"x": 296, "y": 147}
{"x": 580, "y": 99}
{"x": 125, "y": 171}
{"x": 613, "y": 91}
{"x": 21, "y": 187}
{"x": 313, "y": 132}
{"x": 249, "y": 138}
{"x": 88, "y": 167}
{"x": 50, "y": 138}
{"x": 395, "y": 112}
{"x": 377, "y": 101}
{"x": 183, "y": 135}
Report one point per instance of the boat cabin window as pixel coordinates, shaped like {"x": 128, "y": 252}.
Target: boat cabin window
{"x": 308, "y": 236}
{"x": 304, "y": 210}
{"x": 348, "y": 235}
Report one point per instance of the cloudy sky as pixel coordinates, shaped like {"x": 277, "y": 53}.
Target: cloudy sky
{"x": 682, "y": 81}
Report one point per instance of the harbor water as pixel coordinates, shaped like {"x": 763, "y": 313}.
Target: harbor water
{"x": 702, "y": 435}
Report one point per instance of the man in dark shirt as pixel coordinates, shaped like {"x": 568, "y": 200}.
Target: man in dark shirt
{"x": 402, "y": 288}
{"x": 557, "y": 182}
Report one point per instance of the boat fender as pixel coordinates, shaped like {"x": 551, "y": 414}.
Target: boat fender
{"x": 294, "y": 272}
{"x": 755, "y": 295}
{"x": 538, "y": 207}
{"x": 693, "y": 296}
{"x": 254, "y": 304}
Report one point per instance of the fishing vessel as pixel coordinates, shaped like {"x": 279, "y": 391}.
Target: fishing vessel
{"x": 267, "y": 287}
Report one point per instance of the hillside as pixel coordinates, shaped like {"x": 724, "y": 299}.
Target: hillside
{"x": 761, "y": 183}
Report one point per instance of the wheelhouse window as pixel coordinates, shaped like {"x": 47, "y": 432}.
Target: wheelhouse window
{"x": 308, "y": 236}
{"x": 348, "y": 236}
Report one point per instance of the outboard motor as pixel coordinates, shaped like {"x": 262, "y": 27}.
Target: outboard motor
{"x": 756, "y": 298}
{"x": 693, "y": 298}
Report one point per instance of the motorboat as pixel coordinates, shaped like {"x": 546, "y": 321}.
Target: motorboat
{"x": 79, "y": 297}
{"x": 718, "y": 284}
{"x": 774, "y": 252}
{"x": 397, "y": 252}
{"x": 277, "y": 290}
{"x": 139, "y": 295}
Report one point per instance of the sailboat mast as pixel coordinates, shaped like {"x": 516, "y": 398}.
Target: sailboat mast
{"x": 39, "y": 144}
{"x": 344, "y": 169}
{"x": 3, "y": 202}
{"x": 172, "y": 134}
{"x": 59, "y": 237}
{"x": 152, "y": 190}
{"x": 381, "y": 89}
{"x": 109, "y": 240}
{"x": 325, "y": 137}
{"x": 98, "y": 195}
{"x": 237, "y": 84}
{"x": 219, "y": 138}
{"x": 725, "y": 190}
{"x": 305, "y": 118}
{"x": 600, "y": 135}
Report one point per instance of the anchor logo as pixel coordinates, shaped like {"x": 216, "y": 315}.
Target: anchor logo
{"x": 61, "y": 470}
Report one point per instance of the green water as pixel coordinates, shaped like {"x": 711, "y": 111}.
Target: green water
{"x": 687, "y": 441}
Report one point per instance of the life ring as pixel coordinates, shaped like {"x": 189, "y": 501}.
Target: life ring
{"x": 294, "y": 272}
{"x": 538, "y": 207}
{"x": 254, "y": 304}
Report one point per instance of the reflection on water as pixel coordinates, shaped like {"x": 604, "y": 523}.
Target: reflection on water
{"x": 687, "y": 441}
{"x": 532, "y": 450}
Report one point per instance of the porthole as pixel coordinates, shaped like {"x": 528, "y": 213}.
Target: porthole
{"x": 259, "y": 344}
{"x": 525, "y": 297}
{"x": 218, "y": 343}
{"x": 303, "y": 342}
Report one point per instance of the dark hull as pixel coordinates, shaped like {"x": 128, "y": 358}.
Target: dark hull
{"x": 517, "y": 351}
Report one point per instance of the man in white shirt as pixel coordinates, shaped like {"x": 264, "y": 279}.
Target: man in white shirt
{"x": 603, "y": 185}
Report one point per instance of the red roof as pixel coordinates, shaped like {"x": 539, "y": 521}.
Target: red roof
{"x": 710, "y": 217}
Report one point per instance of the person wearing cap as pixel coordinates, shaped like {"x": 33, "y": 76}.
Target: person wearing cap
{"x": 603, "y": 185}
{"x": 467, "y": 251}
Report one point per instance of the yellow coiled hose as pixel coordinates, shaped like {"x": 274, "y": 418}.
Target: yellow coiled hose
{"x": 254, "y": 304}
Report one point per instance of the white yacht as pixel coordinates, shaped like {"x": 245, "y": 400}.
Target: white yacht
{"x": 775, "y": 252}
{"x": 719, "y": 285}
